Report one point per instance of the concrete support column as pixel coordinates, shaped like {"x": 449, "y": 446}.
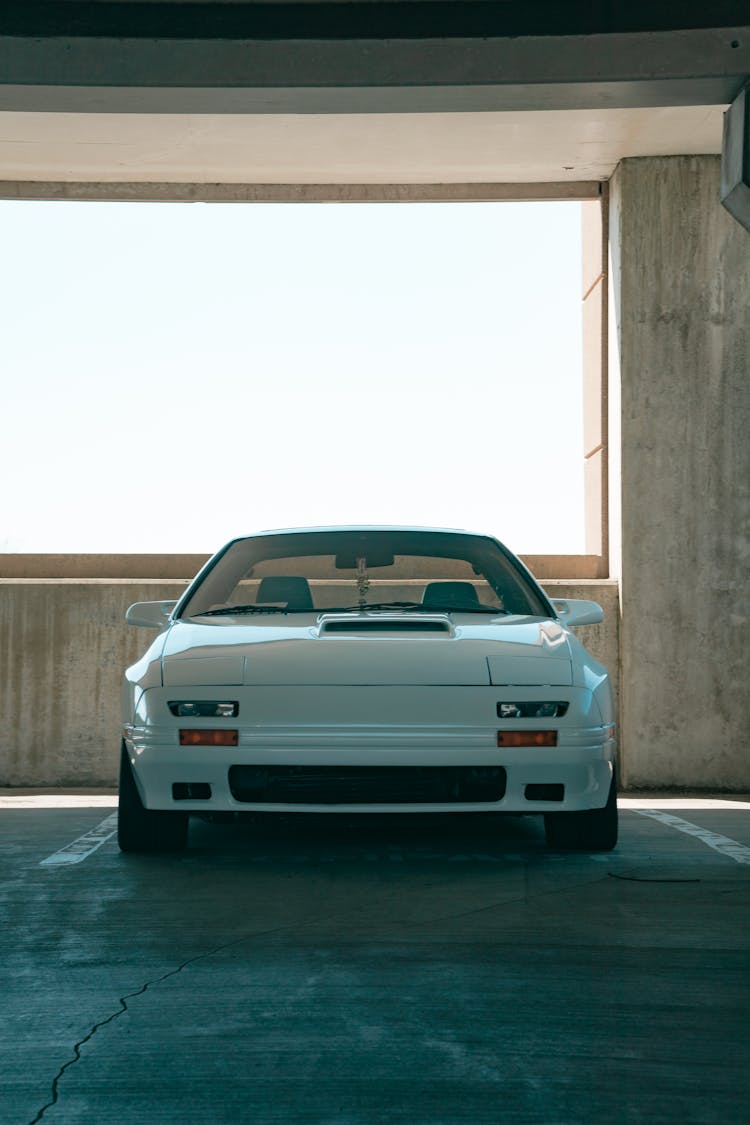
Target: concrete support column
{"x": 595, "y": 397}
{"x": 680, "y": 487}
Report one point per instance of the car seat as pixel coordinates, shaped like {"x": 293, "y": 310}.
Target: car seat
{"x": 295, "y": 592}
{"x": 453, "y": 595}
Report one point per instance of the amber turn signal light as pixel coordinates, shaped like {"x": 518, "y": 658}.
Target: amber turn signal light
{"x": 209, "y": 737}
{"x": 527, "y": 738}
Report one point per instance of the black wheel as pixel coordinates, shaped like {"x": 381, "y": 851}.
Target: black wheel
{"x": 592, "y": 831}
{"x": 146, "y": 830}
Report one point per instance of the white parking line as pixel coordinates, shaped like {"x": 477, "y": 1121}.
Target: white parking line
{"x": 28, "y": 799}
{"x": 723, "y": 844}
{"x": 84, "y": 845}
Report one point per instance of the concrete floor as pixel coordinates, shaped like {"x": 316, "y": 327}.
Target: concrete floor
{"x": 360, "y": 971}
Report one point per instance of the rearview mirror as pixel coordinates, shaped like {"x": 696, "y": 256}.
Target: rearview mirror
{"x": 576, "y": 611}
{"x": 153, "y": 615}
{"x": 373, "y": 557}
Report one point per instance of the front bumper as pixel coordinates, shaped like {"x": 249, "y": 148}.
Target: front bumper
{"x": 577, "y": 772}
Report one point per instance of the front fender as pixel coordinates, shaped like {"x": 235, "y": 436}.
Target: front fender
{"x": 145, "y": 673}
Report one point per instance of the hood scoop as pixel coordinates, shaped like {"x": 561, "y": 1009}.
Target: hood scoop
{"x": 383, "y": 625}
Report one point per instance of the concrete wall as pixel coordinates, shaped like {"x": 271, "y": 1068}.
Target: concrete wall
{"x": 679, "y": 370}
{"x": 63, "y": 647}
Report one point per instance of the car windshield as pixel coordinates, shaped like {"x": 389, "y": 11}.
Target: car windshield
{"x": 352, "y": 570}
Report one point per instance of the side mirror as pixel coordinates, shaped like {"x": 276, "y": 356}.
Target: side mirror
{"x": 575, "y": 611}
{"x": 153, "y": 615}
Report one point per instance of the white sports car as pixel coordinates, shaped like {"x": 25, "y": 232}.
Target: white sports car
{"x": 366, "y": 669}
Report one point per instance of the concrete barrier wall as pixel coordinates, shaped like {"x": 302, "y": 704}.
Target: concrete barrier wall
{"x": 64, "y": 645}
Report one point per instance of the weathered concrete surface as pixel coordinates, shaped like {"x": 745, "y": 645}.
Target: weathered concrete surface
{"x": 64, "y": 646}
{"x": 681, "y": 282}
{"x": 408, "y": 970}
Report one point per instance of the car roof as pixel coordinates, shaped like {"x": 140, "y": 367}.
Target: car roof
{"x": 363, "y": 527}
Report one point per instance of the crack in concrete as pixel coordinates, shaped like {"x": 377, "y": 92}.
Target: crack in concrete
{"x": 525, "y": 897}
{"x": 122, "y": 1000}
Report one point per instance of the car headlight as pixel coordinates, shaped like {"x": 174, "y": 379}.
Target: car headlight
{"x": 204, "y": 709}
{"x": 534, "y": 710}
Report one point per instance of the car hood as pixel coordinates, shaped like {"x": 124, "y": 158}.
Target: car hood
{"x": 368, "y": 649}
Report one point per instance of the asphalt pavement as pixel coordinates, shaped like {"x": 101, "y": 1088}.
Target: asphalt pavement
{"x": 355, "y": 970}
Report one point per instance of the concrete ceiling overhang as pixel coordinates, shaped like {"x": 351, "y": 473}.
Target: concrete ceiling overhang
{"x": 89, "y": 99}
{"x": 562, "y": 146}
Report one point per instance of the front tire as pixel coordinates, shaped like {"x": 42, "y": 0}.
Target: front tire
{"x": 591, "y": 831}
{"x": 145, "y": 830}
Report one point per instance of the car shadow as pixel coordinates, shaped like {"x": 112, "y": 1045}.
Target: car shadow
{"x": 367, "y": 837}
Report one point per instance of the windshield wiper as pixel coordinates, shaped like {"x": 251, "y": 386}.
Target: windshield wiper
{"x": 229, "y": 611}
{"x": 418, "y": 606}
{"x": 374, "y": 605}
{"x": 413, "y": 607}
{"x": 463, "y": 609}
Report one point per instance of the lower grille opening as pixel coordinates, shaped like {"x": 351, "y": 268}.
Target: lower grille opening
{"x": 191, "y": 791}
{"x": 545, "y": 792}
{"x": 351, "y": 785}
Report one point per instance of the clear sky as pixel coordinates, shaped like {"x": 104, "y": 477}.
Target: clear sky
{"x": 174, "y": 375}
